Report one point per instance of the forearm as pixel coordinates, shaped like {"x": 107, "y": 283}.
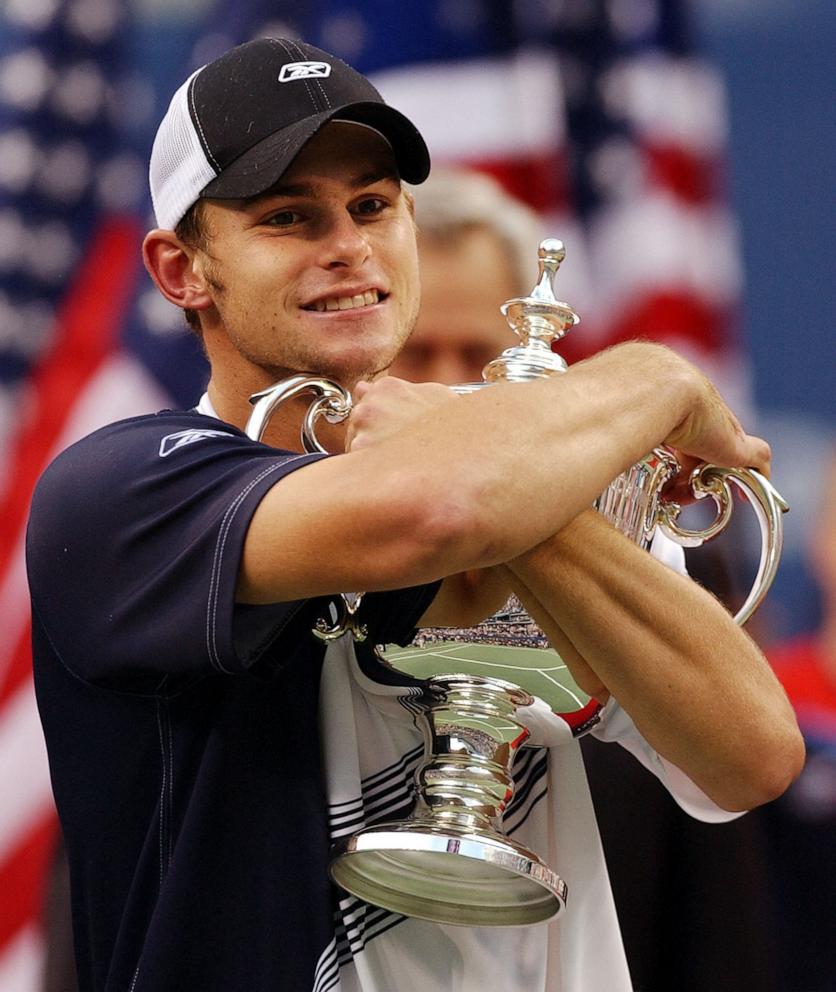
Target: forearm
{"x": 431, "y": 488}
{"x": 518, "y": 461}
{"x": 696, "y": 685}
{"x": 466, "y": 599}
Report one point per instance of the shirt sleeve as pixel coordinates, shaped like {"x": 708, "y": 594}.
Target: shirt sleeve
{"x": 618, "y": 727}
{"x": 133, "y": 549}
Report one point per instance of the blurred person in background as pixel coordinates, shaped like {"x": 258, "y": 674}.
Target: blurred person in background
{"x": 478, "y": 248}
{"x": 692, "y": 898}
{"x": 801, "y": 826}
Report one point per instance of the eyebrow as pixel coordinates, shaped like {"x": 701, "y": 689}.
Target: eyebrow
{"x": 307, "y": 189}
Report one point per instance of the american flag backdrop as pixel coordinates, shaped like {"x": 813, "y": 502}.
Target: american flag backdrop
{"x": 597, "y": 112}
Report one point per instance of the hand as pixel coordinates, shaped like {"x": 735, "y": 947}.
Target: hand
{"x": 382, "y": 408}
{"x": 710, "y": 432}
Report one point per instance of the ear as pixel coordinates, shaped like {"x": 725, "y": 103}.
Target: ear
{"x": 171, "y": 265}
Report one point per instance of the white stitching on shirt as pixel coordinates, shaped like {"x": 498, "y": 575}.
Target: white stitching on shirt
{"x": 170, "y": 784}
{"x": 162, "y": 790}
{"x": 214, "y": 583}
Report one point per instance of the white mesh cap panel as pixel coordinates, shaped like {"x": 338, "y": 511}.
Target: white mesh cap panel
{"x": 179, "y": 168}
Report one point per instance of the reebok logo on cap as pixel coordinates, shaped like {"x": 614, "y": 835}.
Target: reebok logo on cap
{"x": 304, "y": 70}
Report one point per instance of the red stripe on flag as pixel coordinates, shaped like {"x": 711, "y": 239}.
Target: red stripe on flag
{"x": 692, "y": 178}
{"x": 669, "y": 317}
{"x": 86, "y": 333}
{"x": 19, "y": 667}
{"x": 22, "y": 877}
{"x": 662, "y": 316}
{"x": 541, "y": 181}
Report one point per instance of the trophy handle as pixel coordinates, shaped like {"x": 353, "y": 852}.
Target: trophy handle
{"x": 331, "y": 401}
{"x": 766, "y": 501}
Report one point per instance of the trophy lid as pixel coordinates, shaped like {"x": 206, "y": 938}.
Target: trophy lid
{"x": 538, "y": 320}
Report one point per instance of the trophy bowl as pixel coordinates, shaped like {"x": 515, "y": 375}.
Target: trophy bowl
{"x": 451, "y": 861}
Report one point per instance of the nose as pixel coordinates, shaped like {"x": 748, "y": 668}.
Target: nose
{"x": 345, "y": 244}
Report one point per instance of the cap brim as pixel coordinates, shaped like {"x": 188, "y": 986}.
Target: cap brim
{"x": 263, "y": 165}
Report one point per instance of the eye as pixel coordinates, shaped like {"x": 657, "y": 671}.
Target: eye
{"x": 370, "y": 205}
{"x": 284, "y": 218}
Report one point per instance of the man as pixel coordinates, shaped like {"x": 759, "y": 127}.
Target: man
{"x": 683, "y": 925}
{"x": 177, "y": 568}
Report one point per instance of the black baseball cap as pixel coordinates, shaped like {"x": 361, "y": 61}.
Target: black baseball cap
{"x": 235, "y": 126}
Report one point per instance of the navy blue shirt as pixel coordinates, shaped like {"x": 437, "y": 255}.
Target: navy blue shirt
{"x": 182, "y": 727}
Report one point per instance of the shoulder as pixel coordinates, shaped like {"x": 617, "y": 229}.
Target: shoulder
{"x": 133, "y": 448}
{"x": 155, "y": 435}
{"x": 142, "y": 471}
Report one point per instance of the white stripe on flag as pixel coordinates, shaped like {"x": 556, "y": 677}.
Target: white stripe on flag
{"x": 504, "y": 107}
{"x": 24, "y": 773}
{"x": 655, "y": 242}
{"x": 671, "y": 101}
{"x": 22, "y": 962}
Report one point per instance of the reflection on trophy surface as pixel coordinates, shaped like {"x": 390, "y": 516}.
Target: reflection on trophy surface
{"x": 451, "y": 861}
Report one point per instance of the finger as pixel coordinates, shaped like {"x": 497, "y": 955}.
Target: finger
{"x": 350, "y": 436}
{"x": 679, "y": 488}
{"x": 760, "y": 457}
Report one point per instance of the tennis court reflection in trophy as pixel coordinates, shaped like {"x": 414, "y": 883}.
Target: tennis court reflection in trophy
{"x": 451, "y": 861}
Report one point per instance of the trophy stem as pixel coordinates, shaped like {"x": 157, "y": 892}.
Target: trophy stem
{"x": 450, "y": 862}
{"x": 470, "y": 739}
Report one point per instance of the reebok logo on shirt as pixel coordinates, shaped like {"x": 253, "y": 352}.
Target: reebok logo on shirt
{"x": 171, "y": 442}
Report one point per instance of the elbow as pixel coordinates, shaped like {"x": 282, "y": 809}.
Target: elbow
{"x": 447, "y": 535}
{"x": 784, "y": 768}
{"x": 779, "y": 764}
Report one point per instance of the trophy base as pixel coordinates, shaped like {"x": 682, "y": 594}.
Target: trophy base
{"x": 449, "y": 873}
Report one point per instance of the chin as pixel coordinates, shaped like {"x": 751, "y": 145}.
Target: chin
{"x": 349, "y": 369}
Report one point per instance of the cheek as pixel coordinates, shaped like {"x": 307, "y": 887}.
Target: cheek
{"x": 401, "y": 247}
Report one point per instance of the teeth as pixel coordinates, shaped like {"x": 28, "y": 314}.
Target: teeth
{"x": 367, "y": 299}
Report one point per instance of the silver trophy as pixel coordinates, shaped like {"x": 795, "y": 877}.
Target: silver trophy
{"x": 450, "y": 861}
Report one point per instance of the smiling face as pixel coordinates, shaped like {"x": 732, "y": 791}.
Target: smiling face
{"x": 320, "y": 274}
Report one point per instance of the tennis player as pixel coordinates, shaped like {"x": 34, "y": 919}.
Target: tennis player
{"x": 205, "y": 747}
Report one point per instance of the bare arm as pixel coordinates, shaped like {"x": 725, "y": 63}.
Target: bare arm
{"x": 466, "y": 599}
{"x": 696, "y": 685}
{"x": 472, "y": 481}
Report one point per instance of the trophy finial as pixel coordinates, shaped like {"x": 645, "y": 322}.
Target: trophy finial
{"x": 538, "y": 320}
{"x": 550, "y": 254}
